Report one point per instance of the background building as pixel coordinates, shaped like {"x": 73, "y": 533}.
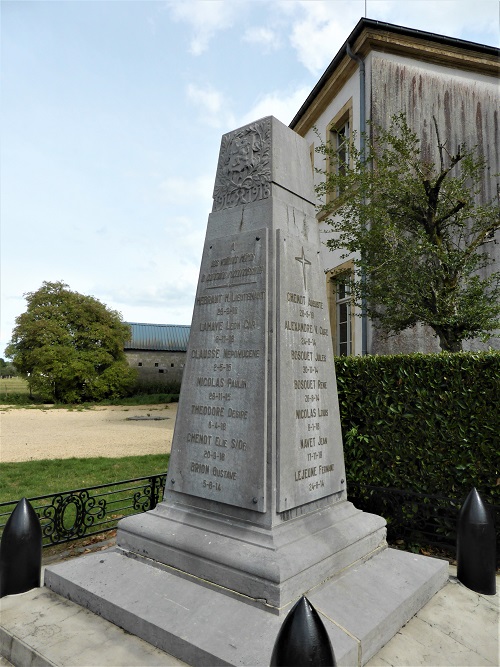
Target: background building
{"x": 157, "y": 352}
{"x": 383, "y": 69}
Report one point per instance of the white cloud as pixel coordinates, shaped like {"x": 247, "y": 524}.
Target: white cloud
{"x": 158, "y": 300}
{"x": 206, "y": 18}
{"x": 279, "y": 104}
{"x": 453, "y": 18}
{"x": 208, "y": 98}
{"x": 183, "y": 190}
{"x": 266, "y": 38}
{"x": 318, "y": 29}
{"x": 213, "y": 107}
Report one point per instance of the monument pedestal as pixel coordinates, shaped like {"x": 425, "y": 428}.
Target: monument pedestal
{"x": 362, "y": 608}
{"x": 255, "y": 512}
{"x": 273, "y": 566}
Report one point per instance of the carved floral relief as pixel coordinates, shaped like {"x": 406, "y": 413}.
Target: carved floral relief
{"x": 244, "y": 169}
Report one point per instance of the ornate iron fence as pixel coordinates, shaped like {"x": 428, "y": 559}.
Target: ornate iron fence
{"x": 415, "y": 518}
{"x": 72, "y": 515}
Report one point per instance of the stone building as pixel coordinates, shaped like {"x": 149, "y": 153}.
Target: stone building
{"x": 158, "y": 352}
{"x": 383, "y": 69}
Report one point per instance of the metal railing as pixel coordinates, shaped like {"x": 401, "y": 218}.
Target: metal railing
{"x": 72, "y": 515}
{"x": 416, "y": 518}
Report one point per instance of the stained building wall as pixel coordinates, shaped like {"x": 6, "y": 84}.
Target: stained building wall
{"x": 466, "y": 106}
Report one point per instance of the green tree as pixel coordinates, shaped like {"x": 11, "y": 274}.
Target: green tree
{"x": 419, "y": 232}
{"x": 70, "y": 347}
{"x": 7, "y": 368}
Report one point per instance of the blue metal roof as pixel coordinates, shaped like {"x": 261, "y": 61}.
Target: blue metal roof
{"x": 167, "y": 337}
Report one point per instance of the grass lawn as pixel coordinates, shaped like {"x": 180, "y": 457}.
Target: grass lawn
{"x": 37, "y": 478}
{"x": 13, "y": 386}
{"x": 14, "y": 393}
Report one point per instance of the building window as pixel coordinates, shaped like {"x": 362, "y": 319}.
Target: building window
{"x": 160, "y": 370}
{"x": 339, "y": 141}
{"x": 341, "y": 308}
{"x": 140, "y": 363}
{"x": 343, "y": 312}
{"x": 156, "y": 364}
{"x": 338, "y": 137}
{"x": 172, "y": 365}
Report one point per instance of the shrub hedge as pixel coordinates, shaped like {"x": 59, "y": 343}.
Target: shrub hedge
{"x": 429, "y": 423}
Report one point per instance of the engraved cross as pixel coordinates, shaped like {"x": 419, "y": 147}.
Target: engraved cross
{"x": 305, "y": 262}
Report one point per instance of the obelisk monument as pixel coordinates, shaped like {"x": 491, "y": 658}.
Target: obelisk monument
{"x": 255, "y": 511}
{"x": 257, "y": 441}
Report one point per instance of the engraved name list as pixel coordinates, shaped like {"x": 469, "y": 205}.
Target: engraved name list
{"x": 308, "y": 469}
{"x": 218, "y": 456}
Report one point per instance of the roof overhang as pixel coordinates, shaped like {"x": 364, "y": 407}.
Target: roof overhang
{"x": 369, "y": 35}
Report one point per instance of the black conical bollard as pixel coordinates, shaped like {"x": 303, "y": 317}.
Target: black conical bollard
{"x": 21, "y": 551}
{"x": 303, "y": 639}
{"x": 476, "y": 545}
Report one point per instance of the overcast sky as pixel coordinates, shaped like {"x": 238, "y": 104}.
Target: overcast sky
{"x": 112, "y": 115}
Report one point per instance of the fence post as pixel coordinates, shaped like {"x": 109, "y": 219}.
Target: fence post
{"x": 21, "y": 551}
{"x": 154, "y": 493}
{"x": 303, "y": 639}
{"x": 476, "y": 558}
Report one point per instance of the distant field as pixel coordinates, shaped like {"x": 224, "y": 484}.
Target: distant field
{"x": 13, "y": 386}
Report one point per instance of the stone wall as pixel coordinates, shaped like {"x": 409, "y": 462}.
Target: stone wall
{"x": 157, "y": 367}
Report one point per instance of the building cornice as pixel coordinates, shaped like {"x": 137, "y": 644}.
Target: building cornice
{"x": 370, "y": 36}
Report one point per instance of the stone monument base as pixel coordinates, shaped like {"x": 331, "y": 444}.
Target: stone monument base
{"x": 362, "y": 607}
{"x": 273, "y": 566}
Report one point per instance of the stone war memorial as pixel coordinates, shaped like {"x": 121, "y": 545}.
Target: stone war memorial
{"x": 255, "y": 512}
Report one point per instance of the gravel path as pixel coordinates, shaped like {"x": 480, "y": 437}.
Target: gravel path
{"x": 35, "y": 434}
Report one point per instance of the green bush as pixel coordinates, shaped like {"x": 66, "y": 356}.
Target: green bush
{"x": 425, "y": 423}
{"x": 23, "y": 399}
{"x": 147, "y": 387}
{"x": 143, "y": 399}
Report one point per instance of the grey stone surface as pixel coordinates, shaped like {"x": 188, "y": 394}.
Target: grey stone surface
{"x": 218, "y": 451}
{"x": 257, "y": 441}
{"x": 241, "y": 385}
{"x": 157, "y": 366}
{"x": 309, "y": 440}
{"x": 255, "y": 512}
{"x": 274, "y": 565}
{"x": 42, "y": 629}
{"x": 380, "y": 589}
{"x": 202, "y": 626}
{"x": 457, "y": 627}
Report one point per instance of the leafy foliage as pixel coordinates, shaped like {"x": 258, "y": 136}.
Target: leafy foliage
{"x": 417, "y": 230}
{"x": 424, "y": 423}
{"x": 7, "y": 369}
{"x": 69, "y": 346}
{"x": 151, "y": 387}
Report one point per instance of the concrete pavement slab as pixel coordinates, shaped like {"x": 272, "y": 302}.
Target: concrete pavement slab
{"x": 39, "y": 628}
{"x": 458, "y": 627}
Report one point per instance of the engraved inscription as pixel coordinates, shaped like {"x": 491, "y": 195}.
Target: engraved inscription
{"x": 219, "y": 454}
{"x": 305, "y": 263}
{"x": 308, "y": 466}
